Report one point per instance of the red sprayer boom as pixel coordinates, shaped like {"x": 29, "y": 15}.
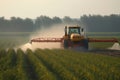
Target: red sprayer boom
{"x": 46, "y": 40}
{"x": 61, "y": 39}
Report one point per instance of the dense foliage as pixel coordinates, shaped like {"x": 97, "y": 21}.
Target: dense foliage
{"x": 97, "y": 23}
{"x": 93, "y": 23}
{"x": 57, "y": 65}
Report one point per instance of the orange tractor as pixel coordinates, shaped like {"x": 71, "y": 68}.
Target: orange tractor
{"x": 74, "y": 37}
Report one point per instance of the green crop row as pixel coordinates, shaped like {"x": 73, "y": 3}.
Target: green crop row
{"x": 21, "y": 66}
{"x": 41, "y": 71}
{"x": 8, "y": 65}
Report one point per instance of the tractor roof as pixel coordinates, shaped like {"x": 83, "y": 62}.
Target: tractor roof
{"x": 74, "y": 26}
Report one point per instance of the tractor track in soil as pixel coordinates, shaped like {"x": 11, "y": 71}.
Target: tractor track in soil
{"x": 115, "y": 53}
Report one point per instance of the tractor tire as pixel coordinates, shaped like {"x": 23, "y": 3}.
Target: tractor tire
{"x": 65, "y": 44}
{"x": 86, "y": 44}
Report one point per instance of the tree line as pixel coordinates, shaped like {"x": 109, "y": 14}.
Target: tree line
{"x": 93, "y": 23}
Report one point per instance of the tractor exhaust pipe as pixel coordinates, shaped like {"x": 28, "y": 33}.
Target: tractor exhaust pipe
{"x": 65, "y": 30}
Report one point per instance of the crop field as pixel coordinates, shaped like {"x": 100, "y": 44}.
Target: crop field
{"x": 55, "y": 64}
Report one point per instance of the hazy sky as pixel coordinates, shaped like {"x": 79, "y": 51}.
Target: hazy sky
{"x": 60, "y": 8}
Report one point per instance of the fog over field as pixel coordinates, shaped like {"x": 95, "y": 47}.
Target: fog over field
{"x": 55, "y": 31}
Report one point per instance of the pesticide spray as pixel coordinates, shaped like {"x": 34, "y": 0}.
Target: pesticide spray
{"x": 116, "y": 46}
{"x": 55, "y": 31}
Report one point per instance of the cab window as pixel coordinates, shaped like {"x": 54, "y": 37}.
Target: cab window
{"x": 74, "y": 30}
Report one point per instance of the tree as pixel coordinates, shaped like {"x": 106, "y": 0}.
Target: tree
{"x": 57, "y": 20}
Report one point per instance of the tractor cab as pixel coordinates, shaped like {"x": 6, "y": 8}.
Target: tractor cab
{"x": 74, "y": 33}
{"x": 75, "y": 37}
{"x": 74, "y": 30}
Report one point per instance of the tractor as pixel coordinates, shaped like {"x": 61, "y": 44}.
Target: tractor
{"x": 74, "y": 37}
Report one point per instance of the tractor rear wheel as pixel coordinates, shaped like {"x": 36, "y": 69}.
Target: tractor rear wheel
{"x": 65, "y": 44}
{"x": 86, "y": 44}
